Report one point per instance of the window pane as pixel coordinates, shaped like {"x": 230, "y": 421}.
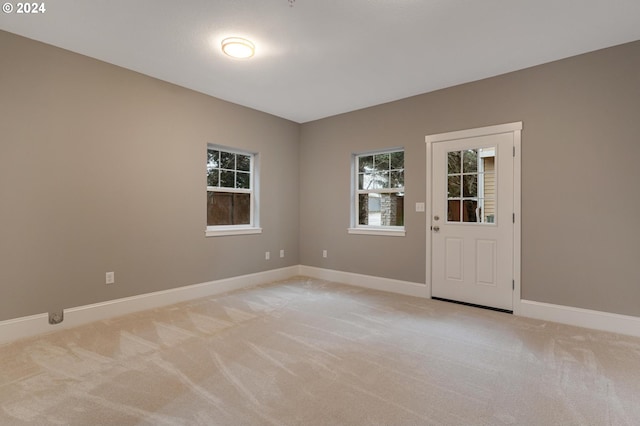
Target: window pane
{"x": 226, "y": 208}
{"x": 244, "y": 162}
{"x": 392, "y": 209}
{"x": 381, "y": 209}
{"x": 381, "y": 162}
{"x": 241, "y": 209}
{"x": 470, "y": 161}
{"x": 212, "y": 177}
{"x": 489, "y": 218}
{"x": 453, "y": 210}
{"x": 397, "y": 160}
{"x": 243, "y": 180}
{"x": 375, "y": 180}
{"x": 218, "y": 208}
{"x": 365, "y": 164}
{"x": 470, "y": 187}
{"x": 227, "y": 160}
{"x": 227, "y": 179}
{"x": 453, "y": 187}
{"x": 370, "y": 181}
{"x": 490, "y": 210}
{"x": 489, "y": 184}
{"x": 213, "y": 159}
{"x": 363, "y": 209}
{"x": 487, "y": 210}
{"x": 469, "y": 208}
{"x": 453, "y": 162}
{"x": 382, "y": 180}
{"x": 397, "y": 179}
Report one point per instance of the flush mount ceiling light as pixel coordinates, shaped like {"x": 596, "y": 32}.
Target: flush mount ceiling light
{"x": 237, "y": 47}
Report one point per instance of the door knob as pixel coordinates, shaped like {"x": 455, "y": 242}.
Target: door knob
{"x": 436, "y": 228}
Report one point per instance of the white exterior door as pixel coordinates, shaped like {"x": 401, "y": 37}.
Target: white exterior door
{"x": 472, "y": 215}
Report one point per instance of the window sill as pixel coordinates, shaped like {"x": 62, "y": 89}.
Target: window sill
{"x": 400, "y": 232}
{"x": 210, "y": 232}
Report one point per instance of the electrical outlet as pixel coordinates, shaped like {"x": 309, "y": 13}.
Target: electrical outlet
{"x": 267, "y": 255}
{"x": 56, "y": 317}
{"x": 110, "y": 278}
{"x": 282, "y": 253}
{"x": 324, "y": 253}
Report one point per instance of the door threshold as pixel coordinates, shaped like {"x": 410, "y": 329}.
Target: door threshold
{"x": 506, "y": 311}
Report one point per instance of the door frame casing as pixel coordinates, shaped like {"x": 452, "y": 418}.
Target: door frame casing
{"x": 516, "y": 129}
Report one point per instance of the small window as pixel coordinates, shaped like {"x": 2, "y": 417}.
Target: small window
{"x": 231, "y": 196}
{"x": 378, "y": 193}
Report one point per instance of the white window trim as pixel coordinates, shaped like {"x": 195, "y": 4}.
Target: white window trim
{"x": 254, "y": 226}
{"x": 223, "y": 230}
{"x": 355, "y": 228}
{"x": 396, "y": 231}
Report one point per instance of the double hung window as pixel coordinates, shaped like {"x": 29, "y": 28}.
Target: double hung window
{"x": 378, "y": 193}
{"x": 231, "y": 192}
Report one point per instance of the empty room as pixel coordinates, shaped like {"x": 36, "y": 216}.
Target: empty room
{"x": 297, "y": 212}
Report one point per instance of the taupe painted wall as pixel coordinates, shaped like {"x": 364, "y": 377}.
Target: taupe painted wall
{"x": 580, "y": 177}
{"x": 103, "y": 169}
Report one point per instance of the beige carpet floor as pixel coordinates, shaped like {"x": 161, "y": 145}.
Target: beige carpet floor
{"x": 309, "y": 352}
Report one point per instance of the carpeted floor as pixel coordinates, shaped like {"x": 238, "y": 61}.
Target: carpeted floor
{"x": 309, "y": 352}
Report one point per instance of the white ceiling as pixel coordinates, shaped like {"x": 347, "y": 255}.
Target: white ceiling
{"x": 324, "y": 57}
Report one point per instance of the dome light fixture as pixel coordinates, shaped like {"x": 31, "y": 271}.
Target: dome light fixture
{"x": 238, "y": 48}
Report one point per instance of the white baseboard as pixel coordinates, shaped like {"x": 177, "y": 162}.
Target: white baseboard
{"x": 605, "y": 321}
{"x": 376, "y": 283}
{"x": 597, "y": 320}
{"x": 19, "y": 328}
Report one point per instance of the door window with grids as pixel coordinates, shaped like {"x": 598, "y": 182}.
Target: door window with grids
{"x": 471, "y": 185}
